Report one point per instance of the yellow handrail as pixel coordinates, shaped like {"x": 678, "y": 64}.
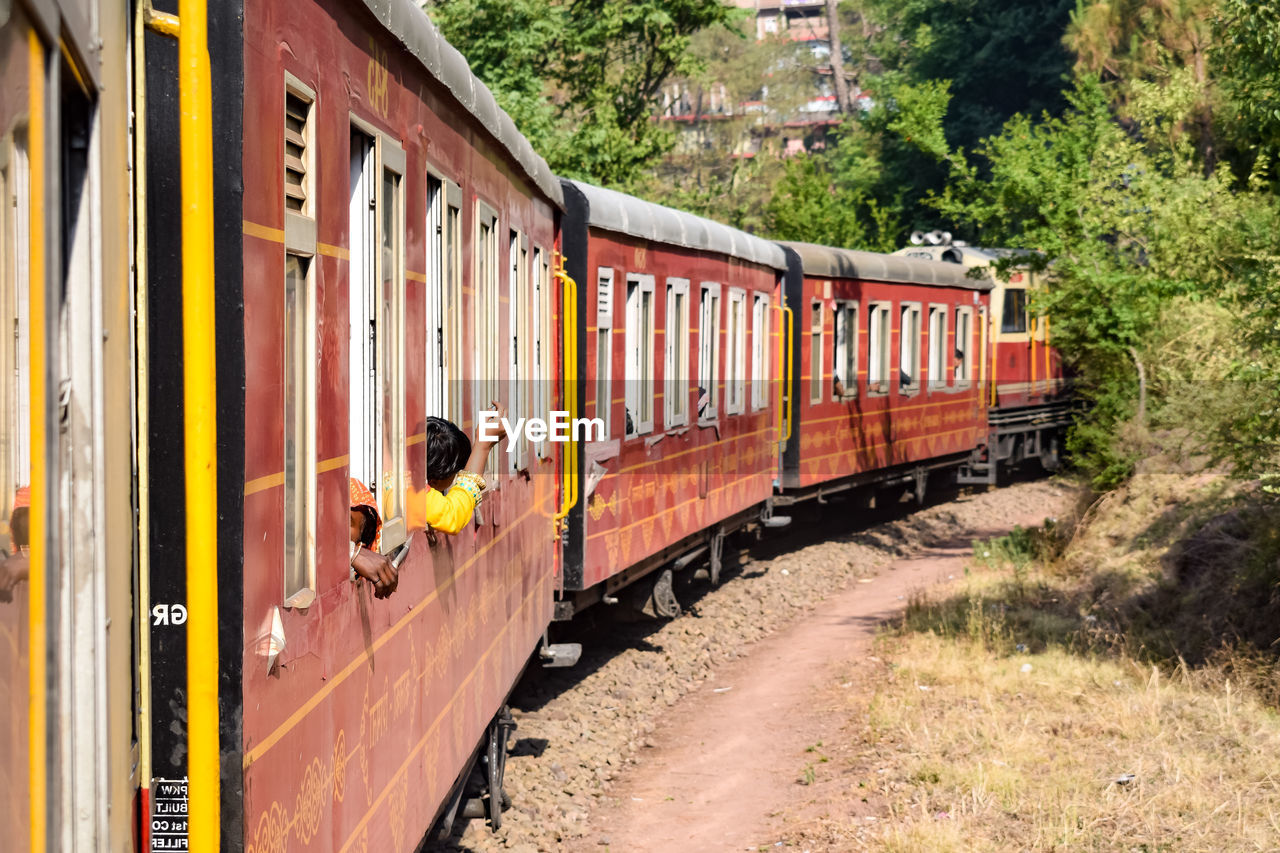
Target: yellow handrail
{"x": 200, "y": 431}
{"x": 1032, "y": 358}
{"x": 570, "y": 319}
{"x": 791, "y": 373}
{"x": 37, "y": 576}
{"x": 1047, "y": 363}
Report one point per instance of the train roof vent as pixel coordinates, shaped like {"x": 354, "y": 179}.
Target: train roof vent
{"x": 297, "y": 112}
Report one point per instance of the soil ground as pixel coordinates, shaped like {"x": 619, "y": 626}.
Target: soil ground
{"x": 611, "y": 757}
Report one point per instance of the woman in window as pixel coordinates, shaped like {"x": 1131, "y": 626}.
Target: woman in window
{"x": 455, "y": 481}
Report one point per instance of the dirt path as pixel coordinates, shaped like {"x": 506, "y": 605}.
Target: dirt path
{"x": 731, "y": 754}
{"x": 638, "y": 716}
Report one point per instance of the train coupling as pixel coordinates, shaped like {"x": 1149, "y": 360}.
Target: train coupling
{"x": 557, "y": 655}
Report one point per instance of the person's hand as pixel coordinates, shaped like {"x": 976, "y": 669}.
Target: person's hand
{"x": 378, "y": 570}
{"x": 500, "y": 429}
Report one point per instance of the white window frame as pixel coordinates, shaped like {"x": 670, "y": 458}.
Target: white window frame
{"x": 604, "y": 347}
{"x": 736, "y": 362}
{"x": 639, "y": 376}
{"x": 937, "y": 346}
{"x": 760, "y": 351}
{"x": 382, "y": 351}
{"x": 444, "y": 298}
{"x": 541, "y": 390}
{"x": 817, "y": 352}
{"x": 519, "y": 363}
{"x": 962, "y": 371}
{"x": 675, "y": 399}
{"x": 709, "y": 350}
{"x": 909, "y": 334}
{"x": 879, "y": 347}
{"x": 487, "y": 266}
{"x": 846, "y": 350}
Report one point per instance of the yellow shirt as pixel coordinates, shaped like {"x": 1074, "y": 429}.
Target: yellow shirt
{"x": 446, "y": 513}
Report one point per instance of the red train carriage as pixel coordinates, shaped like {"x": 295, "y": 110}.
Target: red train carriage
{"x": 681, "y": 328}
{"x": 1026, "y": 389}
{"x": 398, "y": 240}
{"x": 886, "y": 353}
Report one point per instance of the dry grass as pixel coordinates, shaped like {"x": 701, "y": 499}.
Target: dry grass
{"x": 1109, "y": 684}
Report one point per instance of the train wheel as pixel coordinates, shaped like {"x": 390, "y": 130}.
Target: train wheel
{"x": 664, "y": 596}
{"x": 1050, "y": 460}
{"x": 496, "y": 759}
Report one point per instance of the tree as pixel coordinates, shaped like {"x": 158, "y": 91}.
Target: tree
{"x": 581, "y": 78}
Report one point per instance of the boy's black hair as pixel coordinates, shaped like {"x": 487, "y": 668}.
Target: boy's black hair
{"x": 448, "y": 449}
{"x": 18, "y": 526}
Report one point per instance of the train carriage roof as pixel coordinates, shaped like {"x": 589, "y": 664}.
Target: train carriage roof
{"x": 410, "y": 25}
{"x": 615, "y": 211}
{"x": 850, "y": 263}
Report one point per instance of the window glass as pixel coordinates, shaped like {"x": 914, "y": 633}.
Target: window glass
{"x": 15, "y": 357}
{"x": 1013, "y": 317}
{"x": 299, "y": 444}
{"x": 391, "y": 349}
{"x": 437, "y": 386}
{"x": 709, "y": 352}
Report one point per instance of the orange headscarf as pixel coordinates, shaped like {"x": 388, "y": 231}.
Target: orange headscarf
{"x": 362, "y": 499}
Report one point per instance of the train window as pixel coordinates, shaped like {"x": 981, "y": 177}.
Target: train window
{"x": 709, "y": 352}
{"x": 377, "y": 452}
{"x": 736, "y": 367}
{"x": 676, "y": 364}
{"x": 454, "y": 362}
{"x": 909, "y": 348}
{"x": 15, "y": 428}
{"x": 760, "y": 351}
{"x": 486, "y": 336}
{"x": 604, "y": 345}
{"x": 640, "y": 335}
{"x": 541, "y": 386}
{"x": 878, "y": 334}
{"x": 519, "y": 375}
{"x": 817, "y": 374}
{"x": 937, "y": 346}
{"x": 844, "y": 381}
{"x": 299, "y": 434}
{"x": 439, "y": 321}
{"x": 1013, "y": 316}
{"x": 963, "y": 369}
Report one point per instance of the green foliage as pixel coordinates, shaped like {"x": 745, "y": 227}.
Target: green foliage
{"x": 581, "y": 78}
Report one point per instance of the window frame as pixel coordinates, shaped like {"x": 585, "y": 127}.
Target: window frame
{"x": 15, "y": 307}
{"x": 817, "y": 350}
{"x": 387, "y": 157}
{"x": 850, "y": 347}
{"x": 879, "y": 332}
{"x": 541, "y": 390}
{"x": 736, "y": 363}
{"x": 962, "y": 367}
{"x": 709, "y": 311}
{"x": 909, "y": 344}
{"x": 1004, "y": 313}
{"x": 519, "y": 285}
{"x": 605, "y": 277}
{"x": 675, "y": 375}
{"x": 486, "y": 350}
{"x": 443, "y": 315}
{"x": 938, "y": 348}
{"x": 639, "y": 369}
{"x": 761, "y": 304}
